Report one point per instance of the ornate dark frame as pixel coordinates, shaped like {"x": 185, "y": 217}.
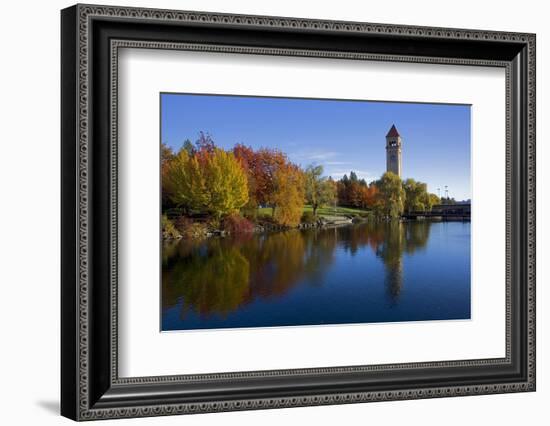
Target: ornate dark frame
{"x": 91, "y": 37}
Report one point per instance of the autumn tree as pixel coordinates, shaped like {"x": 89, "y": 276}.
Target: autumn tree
{"x": 391, "y": 195}
{"x": 372, "y": 194}
{"x": 287, "y": 198}
{"x": 184, "y": 181}
{"x": 354, "y": 194}
{"x": 342, "y": 191}
{"x": 208, "y": 182}
{"x": 368, "y": 195}
{"x": 261, "y": 167}
{"x": 318, "y": 190}
{"x": 352, "y": 191}
{"x": 269, "y": 162}
{"x": 249, "y": 162}
{"x": 166, "y": 155}
{"x": 226, "y": 183}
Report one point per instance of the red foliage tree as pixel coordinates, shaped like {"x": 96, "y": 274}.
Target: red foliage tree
{"x": 261, "y": 166}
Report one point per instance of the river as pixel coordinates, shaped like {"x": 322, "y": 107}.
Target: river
{"x": 360, "y": 273}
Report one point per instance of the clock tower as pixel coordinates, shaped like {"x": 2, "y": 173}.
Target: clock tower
{"x": 393, "y": 151}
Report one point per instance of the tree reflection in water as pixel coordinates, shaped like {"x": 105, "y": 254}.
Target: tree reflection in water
{"x": 219, "y": 275}
{"x": 397, "y": 238}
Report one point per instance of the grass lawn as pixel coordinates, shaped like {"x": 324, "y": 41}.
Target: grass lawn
{"x": 264, "y": 211}
{"x": 321, "y": 211}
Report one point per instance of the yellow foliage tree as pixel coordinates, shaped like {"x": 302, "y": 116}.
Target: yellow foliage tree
{"x": 226, "y": 183}
{"x": 184, "y": 181}
{"x": 289, "y": 194}
{"x": 213, "y": 182}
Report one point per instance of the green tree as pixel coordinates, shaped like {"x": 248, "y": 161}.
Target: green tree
{"x": 189, "y": 147}
{"x": 433, "y": 200}
{"x": 416, "y": 195}
{"x": 391, "y": 195}
{"x": 318, "y": 189}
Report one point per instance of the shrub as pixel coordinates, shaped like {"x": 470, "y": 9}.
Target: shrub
{"x": 214, "y": 223}
{"x": 308, "y": 217}
{"x": 196, "y": 230}
{"x": 169, "y": 231}
{"x": 190, "y": 229}
{"x": 236, "y": 224}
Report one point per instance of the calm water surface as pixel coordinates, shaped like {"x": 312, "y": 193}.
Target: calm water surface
{"x": 370, "y": 272}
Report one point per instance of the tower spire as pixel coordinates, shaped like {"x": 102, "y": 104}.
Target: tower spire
{"x": 393, "y": 133}
{"x": 393, "y": 151}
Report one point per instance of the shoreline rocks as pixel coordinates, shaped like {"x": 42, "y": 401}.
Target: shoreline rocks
{"x": 263, "y": 227}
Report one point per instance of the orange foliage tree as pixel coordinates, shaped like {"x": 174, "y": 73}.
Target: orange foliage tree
{"x": 354, "y": 192}
{"x": 248, "y": 160}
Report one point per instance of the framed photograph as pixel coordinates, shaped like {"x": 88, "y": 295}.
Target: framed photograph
{"x": 263, "y": 212}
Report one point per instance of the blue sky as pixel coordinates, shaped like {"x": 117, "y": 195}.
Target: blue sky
{"x": 340, "y": 135}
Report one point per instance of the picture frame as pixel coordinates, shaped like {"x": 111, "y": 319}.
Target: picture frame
{"x": 90, "y": 384}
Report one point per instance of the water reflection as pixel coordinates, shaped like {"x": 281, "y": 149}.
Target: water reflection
{"x": 398, "y": 238}
{"x": 219, "y": 276}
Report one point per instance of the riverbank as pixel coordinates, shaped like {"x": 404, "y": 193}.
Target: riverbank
{"x": 192, "y": 229}
{"x": 199, "y": 230}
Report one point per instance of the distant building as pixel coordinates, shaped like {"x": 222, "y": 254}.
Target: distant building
{"x": 393, "y": 151}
